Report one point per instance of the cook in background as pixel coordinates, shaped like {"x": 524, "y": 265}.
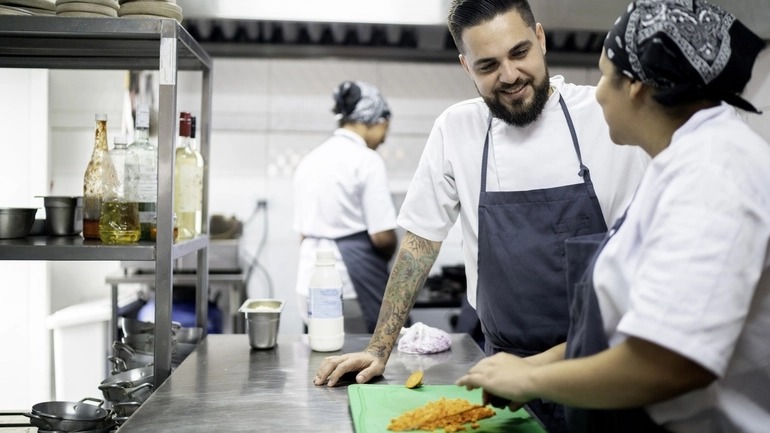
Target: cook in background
{"x": 525, "y": 166}
{"x": 342, "y": 202}
{"x": 670, "y": 323}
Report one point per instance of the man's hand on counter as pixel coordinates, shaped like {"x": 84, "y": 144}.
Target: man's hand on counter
{"x": 334, "y": 367}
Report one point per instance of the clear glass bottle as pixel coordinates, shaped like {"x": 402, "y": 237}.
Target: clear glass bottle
{"x": 92, "y": 180}
{"x": 326, "y": 324}
{"x": 119, "y": 219}
{"x": 147, "y": 154}
{"x": 188, "y": 181}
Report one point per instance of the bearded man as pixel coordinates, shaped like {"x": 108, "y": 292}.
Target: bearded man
{"x": 525, "y": 166}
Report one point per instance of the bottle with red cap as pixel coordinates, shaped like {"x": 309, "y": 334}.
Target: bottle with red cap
{"x": 188, "y": 181}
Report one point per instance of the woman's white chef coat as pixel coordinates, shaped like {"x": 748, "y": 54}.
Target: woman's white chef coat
{"x": 688, "y": 270}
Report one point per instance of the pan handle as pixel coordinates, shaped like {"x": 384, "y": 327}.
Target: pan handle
{"x": 138, "y": 388}
{"x": 39, "y": 418}
{"x": 101, "y": 402}
{"x": 119, "y": 365}
{"x": 118, "y": 346}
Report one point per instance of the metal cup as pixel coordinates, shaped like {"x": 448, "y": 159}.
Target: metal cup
{"x": 262, "y": 320}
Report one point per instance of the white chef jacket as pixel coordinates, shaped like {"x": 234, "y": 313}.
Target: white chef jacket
{"x": 447, "y": 182}
{"x": 689, "y": 270}
{"x": 340, "y": 188}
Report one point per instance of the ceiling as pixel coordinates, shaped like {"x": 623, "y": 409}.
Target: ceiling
{"x": 382, "y": 30}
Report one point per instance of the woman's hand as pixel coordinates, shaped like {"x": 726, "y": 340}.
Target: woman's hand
{"x": 504, "y": 376}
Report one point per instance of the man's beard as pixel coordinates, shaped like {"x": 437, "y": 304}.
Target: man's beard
{"x": 521, "y": 113}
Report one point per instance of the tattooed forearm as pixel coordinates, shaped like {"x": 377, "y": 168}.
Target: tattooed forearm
{"x": 415, "y": 259}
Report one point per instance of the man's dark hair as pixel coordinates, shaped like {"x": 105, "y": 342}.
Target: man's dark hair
{"x": 469, "y": 13}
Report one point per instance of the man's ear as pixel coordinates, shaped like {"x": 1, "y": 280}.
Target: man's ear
{"x": 464, "y": 63}
{"x": 540, "y": 35}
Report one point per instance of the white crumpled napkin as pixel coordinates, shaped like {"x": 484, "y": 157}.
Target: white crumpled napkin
{"x": 421, "y": 339}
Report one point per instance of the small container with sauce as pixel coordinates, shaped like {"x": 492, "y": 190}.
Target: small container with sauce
{"x": 154, "y": 230}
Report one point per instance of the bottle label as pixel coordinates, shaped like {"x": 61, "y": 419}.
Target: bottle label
{"x": 147, "y": 212}
{"x": 190, "y": 194}
{"x": 325, "y": 303}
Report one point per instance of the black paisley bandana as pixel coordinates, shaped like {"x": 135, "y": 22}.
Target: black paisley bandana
{"x": 687, "y": 49}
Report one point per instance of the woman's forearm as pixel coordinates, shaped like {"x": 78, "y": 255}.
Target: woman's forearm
{"x": 632, "y": 374}
{"x": 553, "y": 354}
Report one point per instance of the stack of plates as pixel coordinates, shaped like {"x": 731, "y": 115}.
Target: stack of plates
{"x": 27, "y": 7}
{"x": 150, "y": 9}
{"x": 87, "y": 8}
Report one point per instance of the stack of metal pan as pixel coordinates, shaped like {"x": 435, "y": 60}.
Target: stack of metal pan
{"x": 127, "y": 391}
{"x": 136, "y": 347}
{"x": 67, "y": 416}
{"x": 131, "y": 379}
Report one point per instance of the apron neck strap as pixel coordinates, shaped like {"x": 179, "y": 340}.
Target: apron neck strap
{"x": 584, "y": 173}
{"x": 486, "y": 153}
{"x": 583, "y": 169}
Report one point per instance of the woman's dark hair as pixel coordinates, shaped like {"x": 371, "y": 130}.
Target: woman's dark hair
{"x": 347, "y": 96}
{"x": 469, "y": 13}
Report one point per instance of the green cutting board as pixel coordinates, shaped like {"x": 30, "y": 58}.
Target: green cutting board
{"x": 373, "y": 406}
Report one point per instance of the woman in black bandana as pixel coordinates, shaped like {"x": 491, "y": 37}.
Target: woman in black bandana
{"x": 670, "y": 319}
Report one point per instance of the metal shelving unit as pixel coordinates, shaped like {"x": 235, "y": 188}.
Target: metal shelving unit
{"x": 127, "y": 44}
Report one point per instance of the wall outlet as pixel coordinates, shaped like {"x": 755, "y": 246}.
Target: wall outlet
{"x": 261, "y": 203}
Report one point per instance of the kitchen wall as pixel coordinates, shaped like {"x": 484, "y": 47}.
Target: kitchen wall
{"x": 267, "y": 113}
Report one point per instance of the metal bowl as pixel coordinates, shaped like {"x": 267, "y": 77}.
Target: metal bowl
{"x": 190, "y": 335}
{"x": 16, "y": 222}
{"x": 116, "y": 393}
{"x": 134, "y": 326}
{"x": 126, "y": 408}
{"x": 64, "y": 215}
{"x": 127, "y": 358}
{"x": 131, "y": 378}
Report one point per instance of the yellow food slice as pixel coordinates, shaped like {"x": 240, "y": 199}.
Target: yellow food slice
{"x": 414, "y": 380}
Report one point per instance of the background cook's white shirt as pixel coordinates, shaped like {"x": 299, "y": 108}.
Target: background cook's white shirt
{"x": 688, "y": 270}
{"x": 340, "y": 188}
{"x": 447, "y": 182}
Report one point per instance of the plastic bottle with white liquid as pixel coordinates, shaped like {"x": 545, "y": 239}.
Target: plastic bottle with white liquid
{"x": 326, "y": 330}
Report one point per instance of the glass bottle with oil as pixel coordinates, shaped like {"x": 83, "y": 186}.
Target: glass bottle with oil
{"x": 92, "y": 180}
{"x": 119, "y": 219}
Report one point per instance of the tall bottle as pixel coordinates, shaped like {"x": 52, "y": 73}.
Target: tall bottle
{"x": 147, "y": 154}
{"x": 119, "y": 219}
{"x": 92, "y": 180}
{"x": 188, "y": 181}
{"x": 326, "y": 329}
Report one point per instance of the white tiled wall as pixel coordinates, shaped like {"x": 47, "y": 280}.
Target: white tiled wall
{"x": 24, "y": 375}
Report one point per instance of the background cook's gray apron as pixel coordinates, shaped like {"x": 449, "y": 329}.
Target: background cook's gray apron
{"x": 368, "y": 272}
{"x": 522, "y": 296}
{"x": 586, "y": 337}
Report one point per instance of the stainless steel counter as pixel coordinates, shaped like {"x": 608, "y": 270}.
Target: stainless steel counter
{"x": 225, "y": 386}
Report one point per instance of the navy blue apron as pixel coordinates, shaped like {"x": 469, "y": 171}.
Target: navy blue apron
{"x": 368, "y": 272}
{"x": 521, "y": 297}
{"x": 586, "y": 337}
